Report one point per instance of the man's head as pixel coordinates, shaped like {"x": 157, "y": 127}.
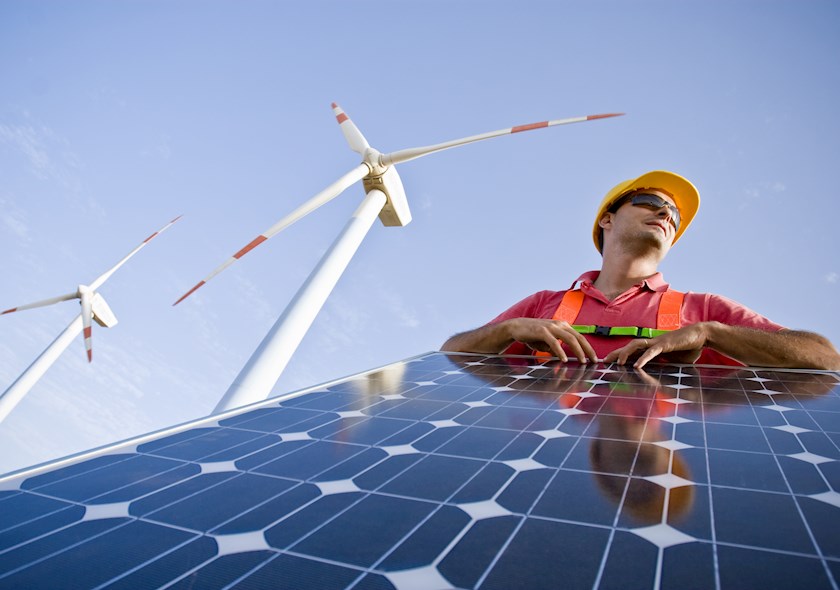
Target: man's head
{"x": 659, "y": 183}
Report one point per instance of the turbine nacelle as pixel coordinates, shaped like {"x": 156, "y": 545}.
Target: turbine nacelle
{"x": 102, "y": 314}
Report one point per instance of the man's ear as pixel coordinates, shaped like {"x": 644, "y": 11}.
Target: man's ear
{"x": 605, "y": 221}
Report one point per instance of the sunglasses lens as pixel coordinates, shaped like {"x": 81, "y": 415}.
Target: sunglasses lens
{"x": 657, "y": 202}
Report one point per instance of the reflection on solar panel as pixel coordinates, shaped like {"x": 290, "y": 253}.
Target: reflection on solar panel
{"x": 459, "y": 471}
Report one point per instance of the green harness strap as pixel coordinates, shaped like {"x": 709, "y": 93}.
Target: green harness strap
{"x": 631, "y": 331}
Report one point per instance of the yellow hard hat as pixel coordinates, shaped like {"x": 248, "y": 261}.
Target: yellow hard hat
{"x": 684, "y": 193}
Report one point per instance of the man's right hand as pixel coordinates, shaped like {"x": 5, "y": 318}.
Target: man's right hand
{"x": 547, "y": 335}
{"x": 538, "y": 334}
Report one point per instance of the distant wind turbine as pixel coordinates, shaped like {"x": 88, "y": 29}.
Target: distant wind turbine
{"x": 93, "y": 307}
{"x": 386, "y": 198}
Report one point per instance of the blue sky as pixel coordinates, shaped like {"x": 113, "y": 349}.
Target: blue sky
{"x": 117, "y": 116}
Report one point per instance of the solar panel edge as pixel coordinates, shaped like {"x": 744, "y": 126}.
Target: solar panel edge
{"x": 10, "y": 481}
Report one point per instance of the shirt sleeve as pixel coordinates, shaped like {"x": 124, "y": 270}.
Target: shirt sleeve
{"x": 707, "y": 307}
{"x": 527, "y": 308}
{"x": 717, "y": 308}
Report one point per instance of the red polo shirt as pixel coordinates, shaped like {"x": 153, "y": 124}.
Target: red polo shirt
{"x": 637, "y": 306}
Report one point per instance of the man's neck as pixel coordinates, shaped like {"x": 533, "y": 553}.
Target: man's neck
{"x": 621, "y": 271}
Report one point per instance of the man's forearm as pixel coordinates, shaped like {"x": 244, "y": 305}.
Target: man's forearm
{"x": 491, "y": 339}
{"x": 786, "y": 348}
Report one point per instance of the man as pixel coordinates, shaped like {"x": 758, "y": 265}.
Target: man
{"x": 636, "y": 225}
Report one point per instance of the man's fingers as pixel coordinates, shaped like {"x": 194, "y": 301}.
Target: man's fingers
{"x": 623, "y": 354}
{"x": 554, "y": 345}
{"x": 579, "y": 346}
{"x": 588, "y": 351}
{"x": 647, "y": 356}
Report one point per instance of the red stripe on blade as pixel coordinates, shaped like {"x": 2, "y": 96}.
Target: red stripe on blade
{"x": 9, "y": 310}
{"x": 254, "y": 243}
{"x": 87, "y": 333}
{"x": 188, "y": 293}
{"x": 341, "y": 118}
{"x": 519, "y": 128}
{"x": 150, "y": 237}
{"x": 590, "y": 117}
{"x": 90, "y": 356}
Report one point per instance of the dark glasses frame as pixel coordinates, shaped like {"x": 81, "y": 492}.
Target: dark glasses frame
{"x": 649, "y": 201}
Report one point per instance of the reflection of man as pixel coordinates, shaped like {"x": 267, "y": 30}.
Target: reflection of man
{"x": 632, "y": 414}
{"x": 622, "y": 439}
{"x": 627, "y": 311}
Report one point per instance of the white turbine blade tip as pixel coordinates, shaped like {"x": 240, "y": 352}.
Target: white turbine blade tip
{"x": 412, "y": 153}
{"x": 354, "y": 137}
{"x": 42, "y": 303}
{"x": 161, "y": 230}
{"x": 100, "y": 280}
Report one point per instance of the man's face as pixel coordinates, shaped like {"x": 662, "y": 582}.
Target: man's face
{"x": 645, "y": 223}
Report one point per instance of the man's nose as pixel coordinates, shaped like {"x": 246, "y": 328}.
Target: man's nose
{"x": 665, "y": 212}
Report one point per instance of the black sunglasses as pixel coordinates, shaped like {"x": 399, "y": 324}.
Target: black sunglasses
{"x": 653, "y": 202}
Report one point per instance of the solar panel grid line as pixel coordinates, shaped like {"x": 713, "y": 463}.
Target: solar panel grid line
{"x": 462, "y": 487}
{"x": 663, "y": 520}
{"x": 804, "y": 520}
{"x": 791, "y": 491}
{"x": 46, "y": 556}
{"x": 534, "y": 504}
{"x": 13, "y": 478}
{"x": 712, "y": 529}
{"x": 35, "y": 492}
{"x": 603, "y": 562}
{"x": 125, "y": 579}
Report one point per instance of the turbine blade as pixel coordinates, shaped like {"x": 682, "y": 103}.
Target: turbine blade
{"x": 43, "y": 303}
{"x": 354, "y": 137}
{"x": 412, "y": 153}
{"x": 104, "y": 277}
{"x": 325, "y": 196}
{"x": 87, "y": 315}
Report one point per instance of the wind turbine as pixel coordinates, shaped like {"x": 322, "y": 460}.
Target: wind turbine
{"x": 93, "y": 307}
{"x": 386, "y": 198}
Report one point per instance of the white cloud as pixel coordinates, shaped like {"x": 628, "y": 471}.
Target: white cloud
{"x": 30, "y": 142}
{"x": 163, "y": 149}
{"x": 762, "y": 191}
{"x": 12, "y": 219}
{"x": 256, "y": 303}
{"x": 831, "y": 278}
{"x": 405, "y": 315}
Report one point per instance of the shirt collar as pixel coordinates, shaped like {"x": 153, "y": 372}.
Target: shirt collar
{"x": 655, "y": 282}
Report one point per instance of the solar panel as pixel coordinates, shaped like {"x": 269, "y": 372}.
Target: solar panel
{"x": 457, "y": 471}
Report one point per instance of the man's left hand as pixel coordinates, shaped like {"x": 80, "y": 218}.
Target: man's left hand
{"x": 682, "y": 346}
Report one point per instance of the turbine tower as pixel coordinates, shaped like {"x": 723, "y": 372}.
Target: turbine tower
{"x": 385, "y": 197}
{"x": 93, "y": 307}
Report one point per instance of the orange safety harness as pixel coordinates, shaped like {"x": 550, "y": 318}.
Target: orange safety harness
{"x": 667, "y": 317}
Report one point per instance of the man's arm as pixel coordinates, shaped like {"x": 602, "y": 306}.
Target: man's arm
{"x": 786, "y": 348}
{"x": 539, "y": 334}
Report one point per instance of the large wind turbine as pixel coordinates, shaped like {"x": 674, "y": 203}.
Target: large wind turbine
{"x": 386, "y": 198}
{"x": 93, "y": 307}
